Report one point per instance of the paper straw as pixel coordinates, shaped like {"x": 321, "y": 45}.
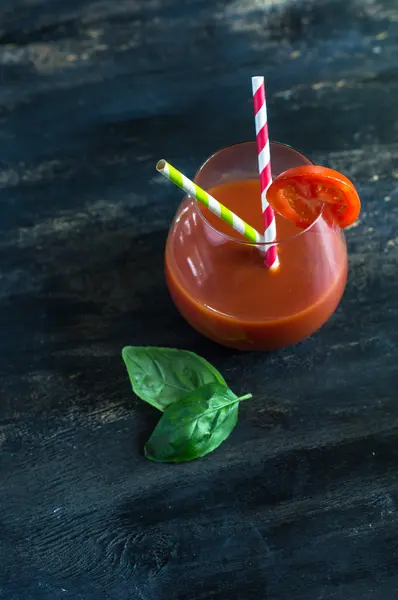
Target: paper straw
{"x": 264, "y": 167}
{"x": 207, "y": 200}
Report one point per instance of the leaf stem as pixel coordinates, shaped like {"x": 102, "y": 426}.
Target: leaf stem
{"x": 246, "y": 397}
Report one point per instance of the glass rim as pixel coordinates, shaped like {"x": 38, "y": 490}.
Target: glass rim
{"x": 248, "y": 242}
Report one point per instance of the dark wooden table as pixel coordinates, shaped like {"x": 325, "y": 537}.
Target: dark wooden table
{"x": 302, "y": 501}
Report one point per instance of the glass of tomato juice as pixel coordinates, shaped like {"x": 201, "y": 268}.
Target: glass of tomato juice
{"x": 218, "y": 280}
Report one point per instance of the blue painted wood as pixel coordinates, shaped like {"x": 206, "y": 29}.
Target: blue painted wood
{"x": 301, "y": 501}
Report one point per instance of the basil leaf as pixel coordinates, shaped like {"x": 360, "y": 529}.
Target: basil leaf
{"x": 194, "y": 425}
{"x": 161, "y": 376}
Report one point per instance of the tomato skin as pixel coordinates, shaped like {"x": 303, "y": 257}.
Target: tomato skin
{"x": 299, "y": 194}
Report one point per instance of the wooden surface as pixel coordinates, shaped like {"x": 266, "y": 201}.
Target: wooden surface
{"x": 301, "y": 501}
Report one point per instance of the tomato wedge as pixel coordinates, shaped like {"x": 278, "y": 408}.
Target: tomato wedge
{"x": 299, "y": 194}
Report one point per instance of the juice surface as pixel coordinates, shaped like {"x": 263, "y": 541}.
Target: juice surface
{"x": 223, "y": 289}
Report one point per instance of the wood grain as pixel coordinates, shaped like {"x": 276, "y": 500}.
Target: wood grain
{"x": 301, "y": 501}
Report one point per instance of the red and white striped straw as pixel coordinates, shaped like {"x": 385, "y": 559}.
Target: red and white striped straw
{"x": 264, "y": 167}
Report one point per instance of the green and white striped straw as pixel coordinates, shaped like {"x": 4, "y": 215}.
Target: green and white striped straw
{"x": 206, "y": 199}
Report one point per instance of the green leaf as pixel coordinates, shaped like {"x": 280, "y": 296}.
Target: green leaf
{"x": 160, "y": 376}
{"x": 195, "y": 425}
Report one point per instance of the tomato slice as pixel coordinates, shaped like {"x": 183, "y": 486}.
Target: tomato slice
{"x": 299, "y": 194}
